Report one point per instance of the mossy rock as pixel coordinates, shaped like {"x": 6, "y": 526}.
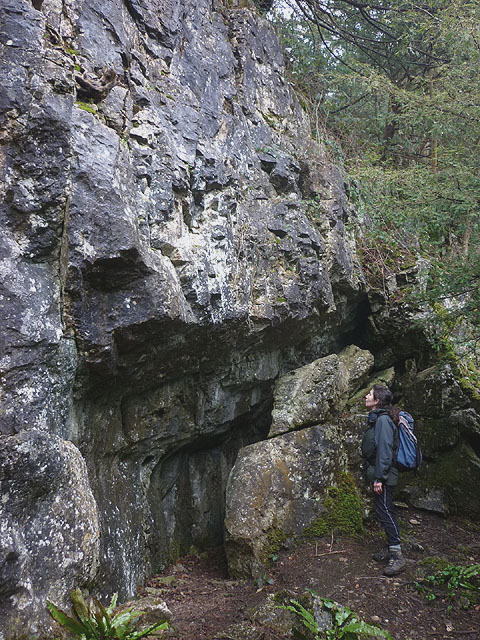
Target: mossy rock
{"x": 343, "y": 511}
{"x": 275, "y": 489}
{"x": 276, "y": 539}
{"x": 457, "y": 473}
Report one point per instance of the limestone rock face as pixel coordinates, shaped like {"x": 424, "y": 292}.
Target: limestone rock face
{"x": 435, "y": 392}
{"x": 317, "y": 391}
{"x": 49, "y": 533}
{"x": 160, "y": 266}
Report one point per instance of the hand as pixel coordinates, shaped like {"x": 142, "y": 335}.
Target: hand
{"x": 378, "y": 487}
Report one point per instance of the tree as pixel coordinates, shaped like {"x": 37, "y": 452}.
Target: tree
{"x": 396, "y": 83}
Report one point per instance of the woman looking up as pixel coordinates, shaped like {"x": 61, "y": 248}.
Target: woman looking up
{"x": 378, "y": 446}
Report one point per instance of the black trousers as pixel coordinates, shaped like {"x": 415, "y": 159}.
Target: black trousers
{"x": 386, "y": 514}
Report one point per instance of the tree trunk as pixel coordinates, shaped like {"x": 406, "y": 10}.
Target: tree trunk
{"x": 434, "y": 141}
{"x": 391, "y": 125}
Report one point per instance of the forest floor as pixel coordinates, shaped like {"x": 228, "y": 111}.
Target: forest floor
{"x": 205, "y": 602}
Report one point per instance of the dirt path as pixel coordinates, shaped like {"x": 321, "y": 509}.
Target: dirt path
{"x": 205, "y": 602}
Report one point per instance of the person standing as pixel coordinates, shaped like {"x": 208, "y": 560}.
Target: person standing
{"x": 378, "y": 446}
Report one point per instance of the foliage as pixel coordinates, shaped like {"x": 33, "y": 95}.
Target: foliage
{"x": 263, "y": 580}
{"x": 343, "y": 624}
{"x": 395, "y": 85}
{"x": 343, "y": 511}
{"x": 95, "y": 622}
{"x": 451, "y": 580}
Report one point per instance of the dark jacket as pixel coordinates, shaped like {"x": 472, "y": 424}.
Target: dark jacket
{"x": 378, "y": 445}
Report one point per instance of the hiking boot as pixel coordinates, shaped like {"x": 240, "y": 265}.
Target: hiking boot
{"x": 383, "y": 555}
{"x": 395, "y": 565}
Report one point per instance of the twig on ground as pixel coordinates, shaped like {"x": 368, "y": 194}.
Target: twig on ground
{"x": 330, "y": 553}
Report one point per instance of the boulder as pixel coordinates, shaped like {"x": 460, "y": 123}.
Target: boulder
{"x": 274, "y": 491}
{"x": 449, "y": 485}
{"x": 276, "y": 618}
{"x": 434, "y": 499}
{"x": 49, "y": 529}
{"x": 270, "y": 617}
{"x": 154, "y": 609}
{"x": 318, "y": 391}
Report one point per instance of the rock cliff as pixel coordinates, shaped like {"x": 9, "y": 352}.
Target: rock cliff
{"x": 173, "y": 243}
{"x": 160, "y": 269}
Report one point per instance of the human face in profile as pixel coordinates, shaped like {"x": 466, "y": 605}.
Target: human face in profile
{"x": 370, "y": 401}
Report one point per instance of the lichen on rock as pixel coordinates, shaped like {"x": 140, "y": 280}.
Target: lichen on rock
{"x": 49, "y": 534}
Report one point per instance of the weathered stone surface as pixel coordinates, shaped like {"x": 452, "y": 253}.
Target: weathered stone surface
{"x": 450, "y": 484}
{"x": 358, "y": 364}
{"x": 154, "y": 610}
{"x": 443, "y": 409}
{"x": 314, "y": 393}
{"x": 466, "y": 420}
{"x": 269, "y": 618}
{"x": 395, "y": 331}
{"x": 435, "y": 392}
{"x": 447, "y": 426}
{"x": 433, "y": 499}
{"x": 49, "y": 529}
{"x": 159, "y": 268}
{"x": 275, "y": 489}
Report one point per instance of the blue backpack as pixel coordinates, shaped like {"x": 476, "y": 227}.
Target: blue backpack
{"x": 408, "y": 456}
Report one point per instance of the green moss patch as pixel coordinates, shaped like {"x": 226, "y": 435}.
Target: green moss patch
{"x": 469, "y": 379}
{"x": 85, "y": 106}
{"x": 343, "y": 511}
{"x": 431, "y": 564}
{"x": 275, "y": 540}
